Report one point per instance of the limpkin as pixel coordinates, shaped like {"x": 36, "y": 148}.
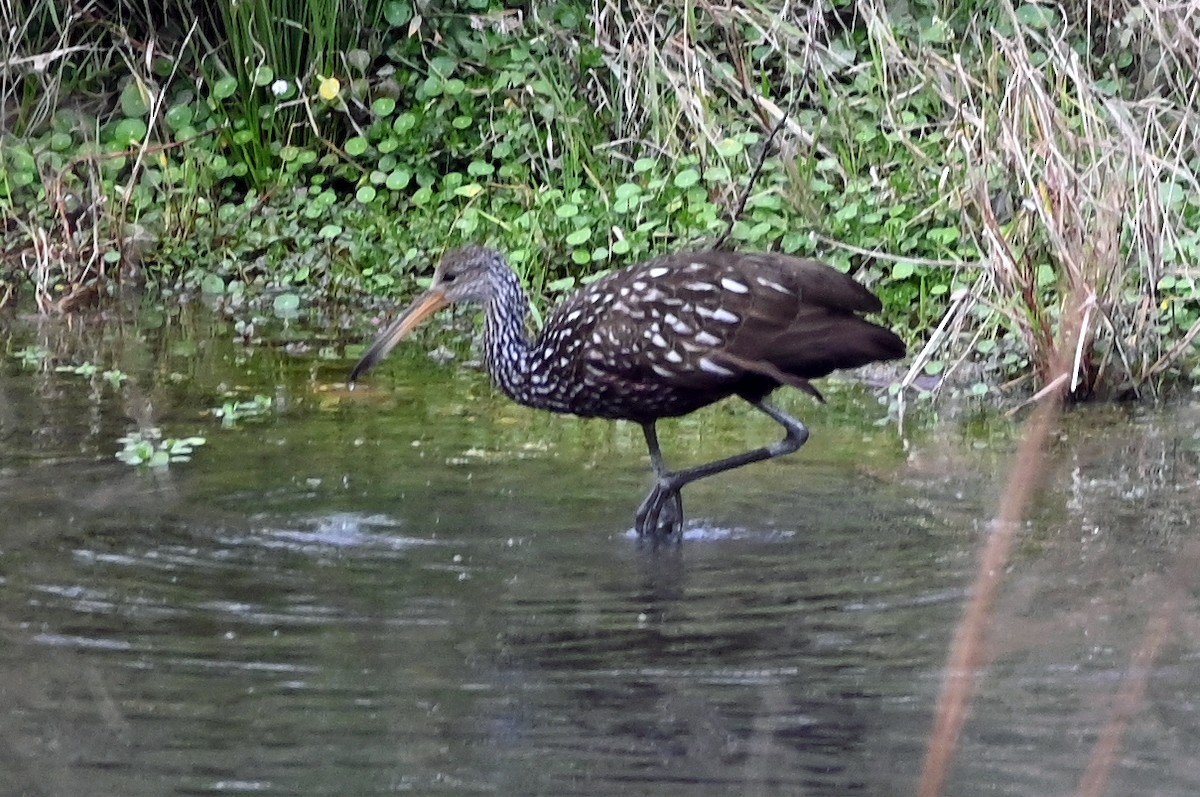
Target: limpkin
{"x": 662, "y": 339}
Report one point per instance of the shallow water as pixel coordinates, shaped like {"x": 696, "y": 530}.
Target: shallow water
{"x": 420, "y": 588}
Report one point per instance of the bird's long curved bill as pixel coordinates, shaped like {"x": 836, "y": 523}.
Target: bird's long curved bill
{"x": 424, "y": 306}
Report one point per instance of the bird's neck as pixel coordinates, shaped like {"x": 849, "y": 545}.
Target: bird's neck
{"x": 505, "y": 341}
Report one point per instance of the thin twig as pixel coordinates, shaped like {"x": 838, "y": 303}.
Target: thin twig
{"x": 736, "y": 213}
{"x": 875, "y": 254}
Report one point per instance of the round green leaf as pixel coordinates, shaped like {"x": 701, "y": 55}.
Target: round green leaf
{"x": 404, "y": 122}
{"x": 627, "y": 190}
{"x": 729, "y": 147}
{"x": 356, "y": 146}
{"x": 212, "y": 284}
{"x": 358, "y": 59}
{"x": 1035, "y": 16}
{"x": 398, "y": 179}
{"x": 902, "y": 270}
{"x": 135, "y": 99}
{"x": 365, "y": 194}
{"x": 263, "y": 76}
{"x": 383, "y": 106}
{"x": 128, "y": 131}
{"x": 579, "y": 236}
{"x": 431, "y": 86}
{"x": 225, "y": 88}
{"x": 687, "y": 178}
{"x": 330, "y": 231}
{"x": 179, "y": 117}
{"x": 397, "y": 13}
{"x": 286, "y": 304}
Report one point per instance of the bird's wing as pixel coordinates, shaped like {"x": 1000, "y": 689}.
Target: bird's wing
{"x": 702, "y": 320}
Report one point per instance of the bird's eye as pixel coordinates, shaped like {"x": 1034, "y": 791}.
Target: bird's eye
{"x": 449, "y": 276}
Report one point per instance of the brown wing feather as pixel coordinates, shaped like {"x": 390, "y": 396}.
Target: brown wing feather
{"x": 704, "y": 322}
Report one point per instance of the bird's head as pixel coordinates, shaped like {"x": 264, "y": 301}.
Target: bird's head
{"x": 463, "y": 275}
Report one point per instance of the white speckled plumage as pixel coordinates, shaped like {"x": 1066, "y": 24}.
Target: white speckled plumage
{"x": 664, "y": 338}
{"x": 670, "y": 335}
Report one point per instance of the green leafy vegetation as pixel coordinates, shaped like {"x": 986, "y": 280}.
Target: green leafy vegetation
{"x": 233, "y": 411}
{"x": 147, "y": 448}
{"x": 981, "y": 166}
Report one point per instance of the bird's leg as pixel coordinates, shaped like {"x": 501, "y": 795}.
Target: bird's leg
{"x": 650, "y": 517}
{"x": 797, "y": 435}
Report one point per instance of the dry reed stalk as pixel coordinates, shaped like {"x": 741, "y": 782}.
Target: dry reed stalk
{"x": 967, "y": 649}
{"x": 1068, "y": 185}
{"x": 1133, "y": 686}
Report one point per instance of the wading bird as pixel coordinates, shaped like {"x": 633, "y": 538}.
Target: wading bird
{"x": 662, "y": 339}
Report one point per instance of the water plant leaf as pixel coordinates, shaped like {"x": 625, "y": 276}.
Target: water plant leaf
{"x": 286, "y": 304}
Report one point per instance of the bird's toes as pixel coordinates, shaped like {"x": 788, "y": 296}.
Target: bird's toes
{"x": 660, "y": 516}
{"x": 670, "y": 521}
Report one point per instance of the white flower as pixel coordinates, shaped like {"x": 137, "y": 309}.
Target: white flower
{"x": 280, "y": 87}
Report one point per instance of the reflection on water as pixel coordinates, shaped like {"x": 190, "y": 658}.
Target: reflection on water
{"x": 426, "y": 590}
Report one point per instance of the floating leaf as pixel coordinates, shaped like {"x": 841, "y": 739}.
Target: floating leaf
{"x": 286, "y": 304}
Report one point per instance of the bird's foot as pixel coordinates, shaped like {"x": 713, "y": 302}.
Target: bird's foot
{"x": 660, "y": 516}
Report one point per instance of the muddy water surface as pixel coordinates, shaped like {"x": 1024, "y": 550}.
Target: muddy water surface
{"x": 420, "y": 588}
